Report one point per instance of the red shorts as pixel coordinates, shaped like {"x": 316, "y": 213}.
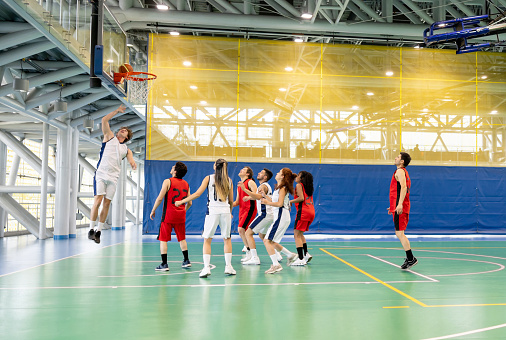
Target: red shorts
{"x": 245, "y": 220}
{"x": 166, "y": 230}
{"x": 302, "y": 225}
{"x": 401, "y": 221}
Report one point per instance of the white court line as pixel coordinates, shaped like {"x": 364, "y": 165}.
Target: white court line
{"x": 449, "y": 252}
{"x": 63, "y": 258}
{"x": 467, "y": 333}
{"x": 390, "y": 263}
{"x": 160, "y": 273}
{"x": 501, "y": 267}
{"x": 211, "y": 285}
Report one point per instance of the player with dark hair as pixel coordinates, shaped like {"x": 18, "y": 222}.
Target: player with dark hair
{"x": 247, "y": 208}
{"x": 264, "y": 218}
{"x": 305, "y": 215}
{"x": 400, "y": 186}
{"x": 175, "y": 188}
{"x": 112, "y": 153}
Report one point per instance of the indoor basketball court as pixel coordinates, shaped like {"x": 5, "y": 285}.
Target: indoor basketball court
{"x": 342, "y": 106}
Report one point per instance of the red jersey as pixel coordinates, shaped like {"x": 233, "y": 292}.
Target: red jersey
{"x": 248, "y": 208}
{"x": 305, "y": 209}
{"x": 395, "y": 193}
{"x": 178, "y": 191}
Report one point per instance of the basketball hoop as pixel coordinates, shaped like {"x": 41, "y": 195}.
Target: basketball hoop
{"x": 138, "y": 86}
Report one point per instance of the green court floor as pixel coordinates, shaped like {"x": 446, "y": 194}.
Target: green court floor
{"x": 350, "y": 290}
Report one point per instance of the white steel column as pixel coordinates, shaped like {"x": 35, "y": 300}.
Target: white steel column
{"x": 43, "y": 181}
{"x": 74, "y": 182}
{"x": 15, "y": 168}
{"x": 123, "y": 192}
{"x": 138, "y": 198}
{"x": 3, "y": 172}
{"x": 61, "y": 209}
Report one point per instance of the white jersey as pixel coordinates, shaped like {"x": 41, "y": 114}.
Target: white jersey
{"x": 214, "y": 204}
{"x": 111, "y": 155}
{"x": 264, "y": 209}
{"x": 286, "y": 203}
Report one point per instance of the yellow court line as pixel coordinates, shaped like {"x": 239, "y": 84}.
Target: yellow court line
{"x": 396, "y": 307}
{"x": 378, "y": 280}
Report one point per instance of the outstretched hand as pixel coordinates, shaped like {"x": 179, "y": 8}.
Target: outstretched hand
{"x": 121, "y": 108}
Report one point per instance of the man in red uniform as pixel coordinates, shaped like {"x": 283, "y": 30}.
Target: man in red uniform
{"x": 173, "y": 189}
{"x": 400, "y": 205}
{"x": 247, "y": 207}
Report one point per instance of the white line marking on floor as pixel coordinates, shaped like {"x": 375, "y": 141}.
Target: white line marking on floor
{"x": 468, "y": 332}
{"x": 411, "y": 271}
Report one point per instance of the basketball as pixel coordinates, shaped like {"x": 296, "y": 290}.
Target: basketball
{"x": 126, "y": 68}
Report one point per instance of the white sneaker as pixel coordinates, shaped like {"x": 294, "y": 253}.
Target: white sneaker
{"x": 279, "y": 257}
{"x": 247, "y": 258}
{"x": 291, "y": 258}
{"x": 308, "y": 257}
{"x": 244, "y": 249}
{"x": 205, "y": 272}
{"x": 229, "y": 270}
{"x": 298, "y": 262}
{"x": 252, "y": 260}
{"x": 274, "y": 269}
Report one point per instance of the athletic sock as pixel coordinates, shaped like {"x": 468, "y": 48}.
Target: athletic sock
{"x": 100, "y": 226}
{"x": 93, "y": 224}
{"x": 185, "y": 255}
{"x": 304, "y": 245}
{"x": 228, "y": 259}
{"x": 207, "y": 260}
{"x": 299, "y": 251}
{"x": 164, "y": 258}
{"x": 286, "y": 252}
{"x": 409, "y": 255}
{"x": 254, "y": 253}
{"x": 274, "y": 259}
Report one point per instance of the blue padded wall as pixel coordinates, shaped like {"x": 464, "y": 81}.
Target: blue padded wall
{"x": 353, "y": 199}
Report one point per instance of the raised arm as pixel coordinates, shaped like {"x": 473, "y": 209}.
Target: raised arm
{"x": 106, "y": 129}
{"x": 130, "y": 158}
{"x": 200, "y": 191}
{"x": 300, "y": 194}
{"x": 161, "y": 195}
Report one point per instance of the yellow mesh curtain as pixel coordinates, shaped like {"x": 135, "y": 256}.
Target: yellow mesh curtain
{"x": 258, "y": 101}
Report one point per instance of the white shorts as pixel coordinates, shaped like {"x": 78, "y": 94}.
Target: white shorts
{"x": 261, "y": 223}
{"x": 104, "y": 187}
{"x": 278, "y": 228}
{"x": 212, "y": 222}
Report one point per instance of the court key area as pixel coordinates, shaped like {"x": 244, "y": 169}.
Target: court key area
{"x": 350, "y": 290}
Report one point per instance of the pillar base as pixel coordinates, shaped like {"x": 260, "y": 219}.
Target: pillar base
{"x": 60, "y": 237}
{"x": 116, "y": 228}
{"x": 72, "y": 235}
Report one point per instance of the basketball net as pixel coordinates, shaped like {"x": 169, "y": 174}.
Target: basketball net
{"x": 138, "y": 86}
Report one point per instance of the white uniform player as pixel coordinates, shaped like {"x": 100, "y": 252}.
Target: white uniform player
{"x": 265, "y": 215}
{"x": 218, "y": 213}
{"x": 282, "y": 219}
{"x": 109, "y": 167}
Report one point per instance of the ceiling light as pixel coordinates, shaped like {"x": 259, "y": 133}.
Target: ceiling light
{"x": 354, "y": 107}
{"x": 306, "y": 16}
{"x": 20, "y": 85}
{"x": 447, "y": 100}
{"x": 165, "y": 94}
{"x": 187, "y": 63}
{"x": 193, "y": 87}
{"x": 60, "y": 106}
{"x": 89, "y": 124}
{"x": 162, "y": 7}
{"x": 493, "y": 112}
{"x": 370, "y": 93}
{"x": 389, "y": 73}
{"x": 110, "y": 61}
{"x": 174, "y": 33}
{"x": 130, "y": 42}
{"x": 203, "y": 102}
{"x": 298, "y": 40}
{"x": 288, "y": 69}
{"x": 484, "y": 77}
{"x": 282, "y": 89}
{"x": 425, "y": 110}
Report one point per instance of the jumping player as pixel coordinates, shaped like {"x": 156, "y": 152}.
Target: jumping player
{"x": 247, "y": 208}
{"x": 113, "y": 151}
{"x": 305, "y": 215}
{"x": 220, "y": 197}
{"x": 399, "y": 205}
{"x": 281, "y": 222}
{"x": 265, "y": 215}
{"x": 173, "y": 217}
